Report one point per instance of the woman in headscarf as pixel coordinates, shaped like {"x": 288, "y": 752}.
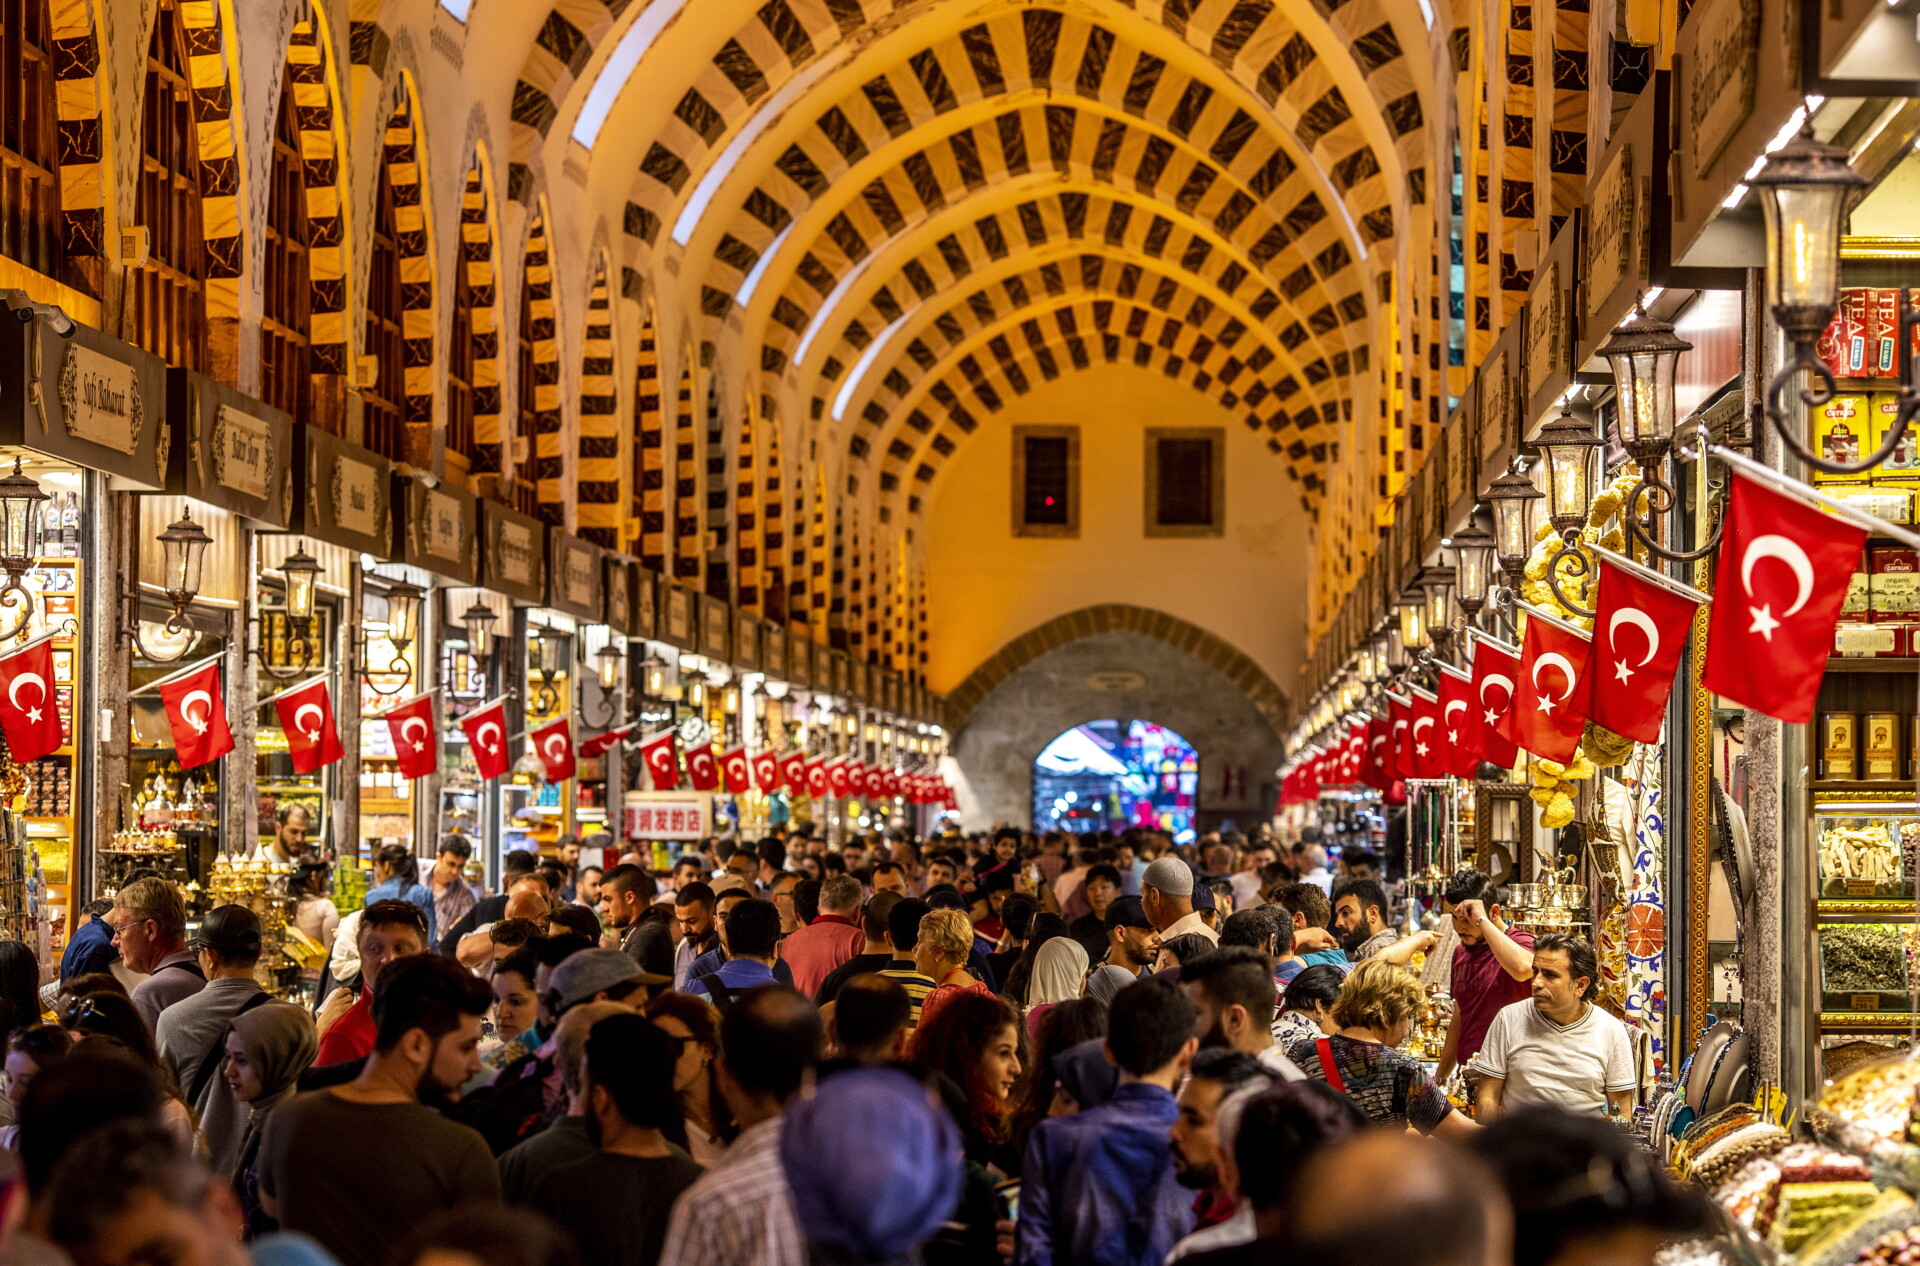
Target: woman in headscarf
{"x": 1059, "y": 974}
{"x": 1107, "y": 981}
{"x": 267, "y": 1050}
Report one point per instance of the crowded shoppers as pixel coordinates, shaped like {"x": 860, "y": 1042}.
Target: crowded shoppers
{"x": 750, "y": 934}
{"x": 569, "y": 1138}
{"x": 833, "y": 937}
{"x": 267, "y": 1049}
{"x": 192, "y": 1033}
{"x": 1167, "y": 898}
{"x": 1491, "y": 967}
{"x": 875, "y": 954}
{"x": 1558, "y": 1048}
{"x": 149, "y": 922}
{"x": 693, "y": 1027}
{"x": 388, "y": 931}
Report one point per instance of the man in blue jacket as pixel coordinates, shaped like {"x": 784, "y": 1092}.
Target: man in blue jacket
{"x": 1099, "y": 1187}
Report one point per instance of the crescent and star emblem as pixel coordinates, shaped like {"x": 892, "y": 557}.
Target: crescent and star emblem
{"x": 406, "y": 729}
{"x": 1454, "y": 705}
{"x": 1640, "y": 620}
{"x": 1552, "y": 659}
{"x": 554, "y": 754}
{"x": 199, "y": 723}
{"x": 13, "y": 694}
{"x": 1419, "y": 744}
{"x": 1506, "y": 683}
{"x": 313, "y": 735}
{"x": 480, "y": 736}
{"x": 1789, "y": 552}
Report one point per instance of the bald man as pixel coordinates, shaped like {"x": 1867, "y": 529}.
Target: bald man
{"x": 1364, "y": 1202}
{"x": 529, "y": 898}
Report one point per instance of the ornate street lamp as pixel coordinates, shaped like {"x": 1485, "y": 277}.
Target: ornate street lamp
{"x": 1513, "y": 498}
{"x": 1570, "y": 446}
{"x": 183, "y": 551}
{"x": 403, "y": 626}
{"x": 300, "y": 570}
{"x": 1472, "y": 567}
{"x": 20, "y": 503}
{"x": 1644, "y": 354}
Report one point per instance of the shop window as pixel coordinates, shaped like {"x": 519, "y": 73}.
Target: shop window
{"x": 285, "y": 369}
{"x": 31, "y": 229}
{"x": 460, "y": 371}
{"x": 1186, "y": 481}
{"x": 384, "y": 413}
{"x": 169, "y": 290}
{"x": 1046, "y": 481}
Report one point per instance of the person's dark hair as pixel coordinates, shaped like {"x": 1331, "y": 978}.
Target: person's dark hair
{"x": 556, "y": 950}
{"x": 1062, "y": 1025}
{"x": 1188, "y": 945}
{"x": 1284, "y": 1128}
{"x": 945, "y": 897}
{"x": 87, "y": 982}
{"x": 105, "y": 1014}
{"x": 806, "y": 901}
{"x": 626, "y": 877}
{"x": 867, "y": 1012}
{"x": 1305, "y": 900}
{"x": 1318, "y": 984}
{"x": 1367, "y": 892}
{"x": 399, "y": 859}
{"x": 514, "y": 933}
{"x": 555, "y": 874}
{"x": 458, "y": 845}
{"x": 1233, "y": 975}
{"x": 770, "y": 1038}
{"x": 519, "y": 861}
{"x": 491, "y": 1237}
{"x": 954, "y": 1043}
{"x": 1017, "y": 914}
{"x": 393, "y": 913}
{"x": 887, "y": 868}
{"x": 873, "y": 918}
{"x": 575, "y": 919}
{"x": 1572, "y": 1177}
{"x": 1361, "y": 857}
{"x": 1580, "y": 958}
{"x": 772, "y": 854}
{"x": 104, "y": 1174}
{"x": 97, "y": 1084}
{"x": 522, "y": 962}
{"x": 832, "y": 864}
{"x": 703, "y": 1022}
{"x": 903, "y": 924}
{"x": 19, "y": 986}
{"x": 1045, "y": 927}
{"x": 1147, "y": 1024}
{"x": 1467, "y": 884}
{"x": 632, "y": 1059}
{"x": 753, "y": 929}
{"x": 42, "y": 1043}
{"x": 427, "y": 992}
{"x": 1254, "y": 927}
{"x": 699, "y": 890}
{"x": 309, "y": 879}
{"x": 1232, "y": 1069}
{"x": 1105, "y": 871}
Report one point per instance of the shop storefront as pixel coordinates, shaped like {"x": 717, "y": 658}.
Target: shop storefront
{"x": 513, "y": 564}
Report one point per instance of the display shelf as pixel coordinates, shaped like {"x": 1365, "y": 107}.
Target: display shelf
{"x": 1856, "y": 787}
{"x": 1890, "y": 664}
{"x": 1865, "y": 1021}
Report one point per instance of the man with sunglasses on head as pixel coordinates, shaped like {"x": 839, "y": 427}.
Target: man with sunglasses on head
{"x": 388, "y": 930}
{"x": 149, "y": 922}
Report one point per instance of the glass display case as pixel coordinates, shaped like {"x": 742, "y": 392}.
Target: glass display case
{"x": 1865, "y": 851}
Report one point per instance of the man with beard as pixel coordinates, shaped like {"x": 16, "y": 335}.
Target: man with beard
{"x": 644, "y": 930}
{"x": 339, "y": 1164}
{"x": 1232, "y": 992}
{"x": 1360, "y": 917}
{"x": 1131, "y": 942}
{"x": 1198, "y": 1136}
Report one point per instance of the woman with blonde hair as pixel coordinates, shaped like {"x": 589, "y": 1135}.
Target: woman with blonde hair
{"x": 946, "y": 938}
{"x": 1379, "y": 1004}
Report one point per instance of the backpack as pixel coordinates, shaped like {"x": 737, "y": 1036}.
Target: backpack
{"x": 510, "y": 1109}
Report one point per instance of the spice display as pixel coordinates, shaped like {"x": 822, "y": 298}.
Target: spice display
{"x": 1808, "y": 1208}
{"x": 1857, "y": 852}
{"x": 1876, "y": 1100}
{"x": 1867, "y": 958}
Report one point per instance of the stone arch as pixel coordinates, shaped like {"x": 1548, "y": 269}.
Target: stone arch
{"x": 479, "y": 238}
{"x": 403, "y": 152}
{"x": 599, "y": 471}
{"x": 649, "y": 448}
{"x": 209, "y": 63}
{"x": 83, "y": 185}
{"x": 1266, "y": 697}
{"x": 314, "y": 81}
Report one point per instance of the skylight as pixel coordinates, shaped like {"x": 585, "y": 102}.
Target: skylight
{"x": 619, "y": 66}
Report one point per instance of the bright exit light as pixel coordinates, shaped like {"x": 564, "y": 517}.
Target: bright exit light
{"x": 458, "y": 8}
{"x": 620, "y": 65}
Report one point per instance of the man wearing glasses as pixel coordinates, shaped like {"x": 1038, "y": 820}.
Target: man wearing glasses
{"x": 149, "y": 922}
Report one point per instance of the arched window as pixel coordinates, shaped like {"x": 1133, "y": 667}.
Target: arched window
{"x": 31, "y": 229}
{"x": 460, "y": 369}
{"x": 169, "y": 290}
{"x": 384, "y": 404}
{"x": 286, "y": 380}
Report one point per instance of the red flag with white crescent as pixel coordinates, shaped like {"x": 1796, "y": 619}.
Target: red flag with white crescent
{"x": 1782, "y": 571}
{"x": 659, "y": 754}
{"x": 948, "y": 798}
{"x": 1373, "y": 767}
{"x": 793, "y": 772}
{"x": 817, "y": 782}
{"x": 1459, "y": 725}
{"x": 306, "y": 717}
{"x": 766, "y": 771}
{"x": 1399, "y": 744}
{"x": 837, "y": 776}
{"x": 1496, "y": 667}
{"x": 702, "y": 770}
{"x": 733, "y": 764}
{"x": 890, "y": 783}
{"x": 414, "y": 741}
{"x": 553, "y": 744}
{"x": 1640, "y": 628}
{"x": 1549, "y": 704}
{"x": 197, "y": 714}
{"x": 1423, "y": 736}
{"x": 486, "y": 730}
{"x": 857, "y": 774}
{"x": 601, "y": 744}
{"x": 28, "y": 712}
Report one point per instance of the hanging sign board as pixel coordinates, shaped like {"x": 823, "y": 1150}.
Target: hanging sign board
{"x": 716, "y": 627}
{"x": 1613, "y": 247}
{"x": 773, "y": 650}
{"x": 443, "y": 531}
{"x": 646, "y": 602}
{"x": 513, "y": 554}
{"x": 345, "y": 496}
{"x": 229, "y": 450}
{"x": 1499, "y": 394}
{"x": 676, "y": 622}
{"x": 746, "y": 641}
{"x": 1550, "y": 321}
{"x": 800, "y": 667}
{"x": 667, "y": 815}
{"x": 89, "y": 399}
{"x": 573, "y": 577}
{"x": 1463, "y": 448}
{"x": 617, "y": 587}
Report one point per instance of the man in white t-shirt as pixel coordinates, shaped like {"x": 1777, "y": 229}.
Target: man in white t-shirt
{"x": 1557, "y": 1048}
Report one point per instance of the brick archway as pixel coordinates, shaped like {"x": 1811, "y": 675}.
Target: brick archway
{"x": 1260, "y": 689}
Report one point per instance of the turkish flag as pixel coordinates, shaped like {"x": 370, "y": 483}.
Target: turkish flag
{"x": 663, "y": 765}
{"x": 306, "y": 717}
{"x": 197, "y": 714}
{"x": 1424, "y": 736}
{"x": 1640, "y": 627}
{"x": 702, "y": 770}
{"x": 1399, "y": 749}
{"x": 601, "y": 744}
{"x": 1354, "y": 766}
{"x": 817, "y": 781}
{"x": 486, "y": 730}
{"x": 553, "y": 744}
{"x": 1496, "y": 666}
{"x": 837, "y": 776}
{"x": 1459, "y": 725}
{"x": 766, "y": 771}
{"x": 28, "y": 713}
{"x": 412, "y": 728}
{"x": 1782, "y": 574}
{"x": 948, "y": 799}
{"x": 1549, "y": 703}
{"x": 793, "y": 772}
{"x": 733, "y": 764}
{"x": 1373, "y": 767}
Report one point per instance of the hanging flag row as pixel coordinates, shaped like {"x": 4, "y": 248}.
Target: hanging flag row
{"x": 766, "y": 771}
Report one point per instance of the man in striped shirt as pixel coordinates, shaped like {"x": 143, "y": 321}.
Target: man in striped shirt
{"x": 903, "y": 934}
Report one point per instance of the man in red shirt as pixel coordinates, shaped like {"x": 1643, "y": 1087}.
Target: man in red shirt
{"x": 830, "y": 940}
{"x": 388, "y": 930}
{"x": 1491, "y": 967}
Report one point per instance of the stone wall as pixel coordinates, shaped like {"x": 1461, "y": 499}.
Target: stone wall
{"x": 1125, "y": 676}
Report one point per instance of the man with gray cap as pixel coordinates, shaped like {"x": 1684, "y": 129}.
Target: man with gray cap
{"x": 192, "y": 1033}
{"x": 1166, "y": 893}
{"x": 599, "y": 975}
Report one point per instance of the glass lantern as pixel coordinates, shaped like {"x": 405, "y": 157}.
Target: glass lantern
{"x": 183, "y": 552}
{"x": 1413, "y": 620}
{"x": 20, "y": 503}
{"x": 403, "y": 613}
{"x": 1472, "y": 566}
{"x": 1513, "y": 497}
{"x": 607, "y": 661}
{"x": 1804, "y": 189}
{"x": 478, "y": 621}
{"x": 1644, "y": 355}
{"x": 1569, "y": 445}
{"x": 300, "y": 570}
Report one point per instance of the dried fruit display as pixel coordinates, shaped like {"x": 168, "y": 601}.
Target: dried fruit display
{"x": 1863, "y": 958}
